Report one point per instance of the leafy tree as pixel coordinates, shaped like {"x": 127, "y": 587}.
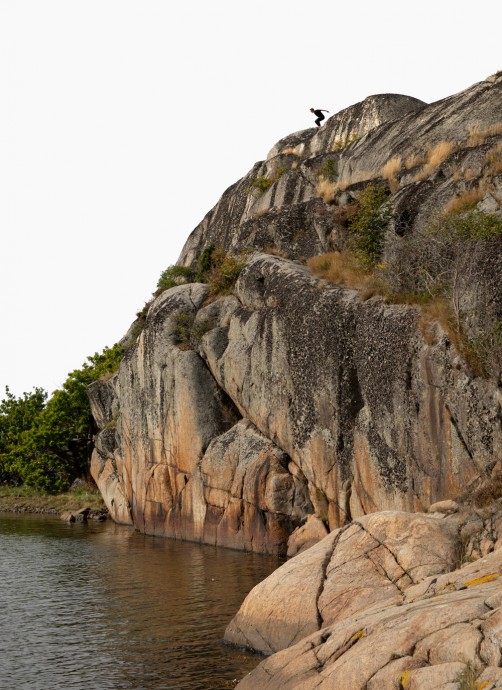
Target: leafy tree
{"x": 48, "y": 444}
{"x": 17, "y": 417}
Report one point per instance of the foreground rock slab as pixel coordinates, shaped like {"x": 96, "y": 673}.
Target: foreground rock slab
{"x": 371, "y": 561}
{"x": 391, "y": 608}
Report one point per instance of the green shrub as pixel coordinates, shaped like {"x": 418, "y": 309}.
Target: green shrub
{"x": 343, "y": 143}
{"x": 189, "y": 333}
{"x": 224, "y": 272}
{"x": 473, "y": 225}
{"x": 437, "y": 260}
{"x": 328, "y": 170}
{"x": 184, "y": 321}
{"x": 175, "y": 275}
{"x": 467, "y": 679}
{"x": 367, "y": 226}
{"x": 484, "y": 352}
{"x": 46, "y": 444}
{"x": 261, "y": 183}
{"x": 205, "y": 263}
{"x": 199, "y": 329}
{"x": 443, "y": 262}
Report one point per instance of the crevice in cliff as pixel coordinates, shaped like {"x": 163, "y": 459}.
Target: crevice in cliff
{"x": 380, "y": 569}
{"x": 353, "y": 640}
{"x": 324, "y": 575}
{"x": 459, "y": 433}
{"x": 381, "y": 543}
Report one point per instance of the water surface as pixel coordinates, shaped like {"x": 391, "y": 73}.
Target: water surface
{"x": 100, "y": 607}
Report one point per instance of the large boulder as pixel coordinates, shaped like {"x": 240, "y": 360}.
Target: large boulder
{"x": 439, "y": 631}
{"x": 371, "y": 562}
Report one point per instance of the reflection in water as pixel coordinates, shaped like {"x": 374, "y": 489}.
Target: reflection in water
{"x": 103, "y": 607}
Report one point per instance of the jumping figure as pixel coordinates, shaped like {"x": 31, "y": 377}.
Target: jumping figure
{"x": 319, "y": 115}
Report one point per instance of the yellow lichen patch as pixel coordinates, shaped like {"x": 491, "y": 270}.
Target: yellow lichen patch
{"x": 405, "y": 678}
{"x": 484, "y": 685}
{"x": 358, "y": 635}
{"x": 481, "y": 580}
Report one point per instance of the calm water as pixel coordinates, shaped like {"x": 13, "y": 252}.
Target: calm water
{"x": 102, "y": 607}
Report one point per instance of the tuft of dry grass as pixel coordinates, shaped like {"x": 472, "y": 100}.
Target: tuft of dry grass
{"x": 290, "y": 150}
{"x": 414, "y": 160}
{"x": 464, "y": 201}
{"x": 489, "y": 491}
{"x": 435, "y": 156}
{"x": 390, "y": 170}
{"x": 493, "y": 160}
{"x": 478, "y": 134}
{"x": 340, "y": 268}
{"x": 326, "y": 189}
{"x": 432, "y": 313}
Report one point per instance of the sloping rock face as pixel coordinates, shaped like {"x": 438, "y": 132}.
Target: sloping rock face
{"x": 379, "y": 604}
{"x": 356, "y": 143}
{"x": 234, "y": 222}
{"x": 292, "y": 397}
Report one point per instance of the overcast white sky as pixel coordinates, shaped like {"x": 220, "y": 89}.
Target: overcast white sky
{"x": 123, "y": 121}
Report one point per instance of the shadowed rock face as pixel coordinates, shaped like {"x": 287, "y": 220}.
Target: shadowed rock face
{"x": 300, "y": 398}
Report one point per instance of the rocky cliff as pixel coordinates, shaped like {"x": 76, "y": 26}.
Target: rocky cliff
{"x": 295, "y": 396}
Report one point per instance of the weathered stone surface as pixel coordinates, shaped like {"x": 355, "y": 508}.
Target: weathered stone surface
{"x": 444, "y": 507}
{"x": 369, "y": 563}
{"x": 290, "y": 216}
{"x": 359, "y": 418}
{"x": 370, "y": 424}
{"x": 179, "y": 462}
{"x": 445, "y": 627}
{"x": 311, "y": 532}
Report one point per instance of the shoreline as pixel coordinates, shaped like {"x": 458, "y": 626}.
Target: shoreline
{"x": 54, "y": 505}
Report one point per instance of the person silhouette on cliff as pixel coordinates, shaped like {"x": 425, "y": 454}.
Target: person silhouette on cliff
{"x": 319, "y": 115}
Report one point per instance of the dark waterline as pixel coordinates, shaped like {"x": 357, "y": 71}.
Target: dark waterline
{"x": 102, "y": 607}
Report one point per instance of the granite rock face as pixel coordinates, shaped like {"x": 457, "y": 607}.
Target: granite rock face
{"x": 354, "y": 146}
{"x": 386, "y": 602}
{"x": 300, "y": 399}
{"x": 294, "y": 398}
